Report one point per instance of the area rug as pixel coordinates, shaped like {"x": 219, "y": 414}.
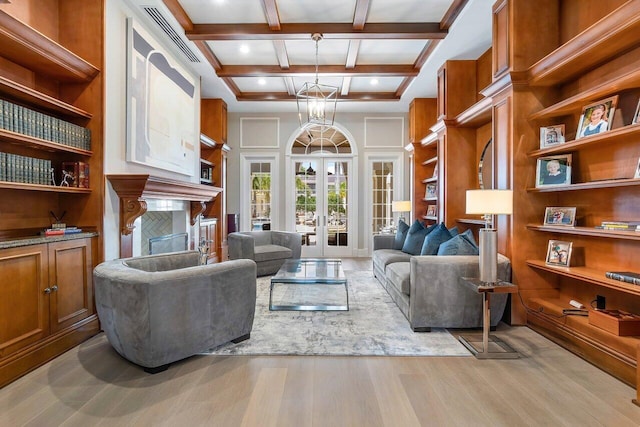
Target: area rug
{"x": 373, "y": 326}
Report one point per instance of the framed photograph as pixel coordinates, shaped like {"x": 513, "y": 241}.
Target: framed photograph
{"x": 636, "y": 116}
{"x": 560, "y": 216}
{"x": 551, "y": 135}
{"x": 432, "y": 210}
{"x": 553, "y": 170}
{"x": 597, "y": 117}
{"x": 431, "y": 191}
{"x": 558, "y": 253}
{"x": 637, "y": 174}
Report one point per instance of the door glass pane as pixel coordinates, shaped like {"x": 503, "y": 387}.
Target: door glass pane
{"x": 260, "y": 196}
{"x": 337, "y": 226}
{"x": 382, "y": 188}
{"x": 306, "y": 206}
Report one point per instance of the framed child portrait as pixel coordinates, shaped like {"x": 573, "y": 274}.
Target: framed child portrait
{"x": 636, "y": 116}
{"x": 551, "y": 136}
{"x": 558, "y": 253}
{"x": 431, "y": 191}
{"x": 560, "y": 216}
{"x": 553, "y": 170}
{"x": 432, "y": 210}
{"x": 597, "y": 117}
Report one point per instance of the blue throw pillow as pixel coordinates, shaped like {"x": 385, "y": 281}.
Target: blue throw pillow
{"x": 433, "y": 240}
{"x": 401, "y": 235}
{"x": 462, "y": 244}
{"x": 454, "y": 231}
{"x": 415, "y": 237}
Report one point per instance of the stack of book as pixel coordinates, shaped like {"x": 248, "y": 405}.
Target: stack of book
{"x": 620, "y": 225}
{"x": 60, "y": 231}
{"x": 624, "y": 276}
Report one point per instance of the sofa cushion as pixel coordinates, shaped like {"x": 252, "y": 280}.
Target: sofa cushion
{"x": 415, "y": 238}
{"x": 383, "y": 257}
{"x": 432, "y": 242}
{"x": 398, "y": 275}
{"x": 454, "y": 231}
{"x": 271, "y": 252}
{"x": 462, "y": 244}
{"x": 401, "y": 235}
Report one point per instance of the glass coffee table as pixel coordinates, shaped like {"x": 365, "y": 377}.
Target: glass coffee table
{"x": 310, "y": 284}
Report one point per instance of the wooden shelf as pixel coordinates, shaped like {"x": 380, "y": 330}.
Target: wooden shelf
{"x": 206, "y": 162}
{"x": 629, "y": 132}
{"x": 586, "y": 231}
{"x": 430, "y": 218}
{"x": 574, "y": 104}
{"x": 206, "y": 181}
{"x": 22, "y": 93}
{"x": 598, "y": 43}
{"x": 477, "y": 115}
{"x": 610, "y": 183}
{"x": 35, "y": 51}
{"x": 586, "y": 274}
{"x": 40, "y": 144}
{"x": 430, "y": 161}
{"x": 206, "y": 142}
{"x": 39, "y": 187}
{"x": 429, "y": 140}
{"x": 428, "y": 180}
{"x": 430, "y": 199}
{"x": 471, "y": 221}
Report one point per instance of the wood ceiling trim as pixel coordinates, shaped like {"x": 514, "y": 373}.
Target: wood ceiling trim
{"x": 426, "y": 53}
{"x": 208, "y": 54}
{"x": 379, "y": 70}
{"x": 452, "y": 13}
{"x": 283, "y": 96}
{"x": 301, "y": 31}
{"x": 232, "y": 86}
{"x": 179, "y": 13}
{"x": 352, "y": 53}
{"x": 281, "y": 53}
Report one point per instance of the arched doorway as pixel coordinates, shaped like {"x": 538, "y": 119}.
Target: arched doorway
{"x": 321, "y": 186}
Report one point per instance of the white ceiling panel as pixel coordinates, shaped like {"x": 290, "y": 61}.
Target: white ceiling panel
{"x": 389, "y": 51}
{"x": 260, "y": 52}
{"x": 408, "y": 10}
{"x": 224, "y": 11}
{"x": 251, "y": 84}
{"x": 292, "y": 11}
{"x": 385, "y": 84}
{"x": 330, "y": 52}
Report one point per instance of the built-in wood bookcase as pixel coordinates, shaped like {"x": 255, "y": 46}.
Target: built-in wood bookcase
{"x": 213, "y": 155}
{"x": 586, "y": 51}
{"x": 424, "y": 157}
{"x": 51, "y": 61}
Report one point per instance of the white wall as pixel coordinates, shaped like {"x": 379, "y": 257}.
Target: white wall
{"x": 117, "y": 12}
{"x": 365, "y": 142}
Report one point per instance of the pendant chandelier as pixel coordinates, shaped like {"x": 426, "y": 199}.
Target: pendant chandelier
{"x": 316, "y": 102}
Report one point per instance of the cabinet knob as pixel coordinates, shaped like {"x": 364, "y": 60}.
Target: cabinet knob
{"x": 54, "y": 288}
{"x": 47, "y": 290}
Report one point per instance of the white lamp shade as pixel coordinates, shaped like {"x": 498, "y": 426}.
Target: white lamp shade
{"x": 490, "y": 202}
{"x": 401, "y": 206}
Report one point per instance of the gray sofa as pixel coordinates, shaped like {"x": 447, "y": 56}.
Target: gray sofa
{"x": 269, "y": 249}
{"x": 158, "y": 309}
{"x": 428, "y": 288}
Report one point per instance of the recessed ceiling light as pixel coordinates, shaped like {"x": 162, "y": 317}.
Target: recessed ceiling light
{"x": 262, "y": 81}
{"x": 244, "y": 48}
{"x": 374, "y": 82}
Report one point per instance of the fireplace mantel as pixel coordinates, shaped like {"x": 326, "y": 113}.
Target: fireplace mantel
{"x": 134, "y": 189}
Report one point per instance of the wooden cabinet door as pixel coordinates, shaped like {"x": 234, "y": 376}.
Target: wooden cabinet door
{"x": 70, "y": 281}
{"x": 208, "y": 232}
{"x": 23, "y": 301}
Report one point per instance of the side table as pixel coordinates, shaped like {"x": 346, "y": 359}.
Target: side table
{"x": 490, "y": 347}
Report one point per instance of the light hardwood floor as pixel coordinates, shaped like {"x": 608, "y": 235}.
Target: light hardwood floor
{"x": 92, "y": 386}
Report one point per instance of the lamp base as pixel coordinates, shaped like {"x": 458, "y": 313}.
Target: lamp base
{"x": 488, "y": 255}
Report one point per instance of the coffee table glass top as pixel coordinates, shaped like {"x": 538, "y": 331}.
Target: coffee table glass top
{"x": 310, "y": 270}
{"x": 309, "y": 284}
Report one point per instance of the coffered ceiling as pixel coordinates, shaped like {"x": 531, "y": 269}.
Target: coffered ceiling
{"x": 373, "y": 51}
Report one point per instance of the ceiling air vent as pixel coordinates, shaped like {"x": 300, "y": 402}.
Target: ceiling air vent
{"x": 164, "y": 25}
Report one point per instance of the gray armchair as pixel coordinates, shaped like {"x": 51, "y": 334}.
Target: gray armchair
{"x": 269, "y": 249}
{"x": 158, "y": 309}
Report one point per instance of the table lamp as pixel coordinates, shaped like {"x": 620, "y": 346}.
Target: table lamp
{"x": 489, "y": 203}
{"x": 401, "y": 206}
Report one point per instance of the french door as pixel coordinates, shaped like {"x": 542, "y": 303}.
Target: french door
{"x": 322, "y": 206}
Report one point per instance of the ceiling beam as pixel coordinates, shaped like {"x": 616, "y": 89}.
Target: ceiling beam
{"x": 360, "y": 14}
{"x": 179, "y": 13}
{"x": 452, "y": 13}
{"x": 420, "y": 31}
{"x": 284, "y": 96}
{"x": 380, "y": 70}
{"x": 271, "y": 12}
